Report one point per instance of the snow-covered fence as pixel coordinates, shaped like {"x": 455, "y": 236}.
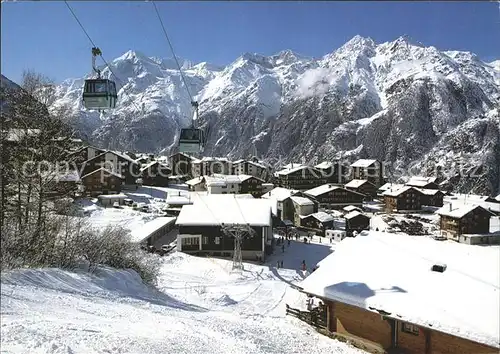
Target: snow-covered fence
{"x": 316, "y": 317}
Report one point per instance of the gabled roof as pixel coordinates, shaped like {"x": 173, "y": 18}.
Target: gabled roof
{"x": 324, "y": 165}
{"x": 420, "y": 181}
{"x": 123, "y": 156}
{"x": 356, "y": 183}
{"x": 221, "y": 180}
{"x": 363, "y": 163}
{"x": 321, "y": 216}
{"x": 195, "y": 181}
{"x": 225, "y": 208}
{"x": 354, "y": 214}
{"x": 393, "y": 186}
{"x": 398, "y": 192}
{"x": 365, "y": 276}
{"x": 430, "y": 191}
{"x": 325, "y": 188}
{"x": 350, "y": 208}
{"x": 302, "y": 201}
{"x": 288, "y": 171}
{"x": 459, "y": 212}
{"x": 103, "y": 170}
{"x": 280, "y": 194}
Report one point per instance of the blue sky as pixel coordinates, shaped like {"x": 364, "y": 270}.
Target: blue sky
{"x": 45, "y": 37}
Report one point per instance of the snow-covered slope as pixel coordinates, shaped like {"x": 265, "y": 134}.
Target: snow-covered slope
{"x": 408, "y": 97}
{"x": 200, "y": 307}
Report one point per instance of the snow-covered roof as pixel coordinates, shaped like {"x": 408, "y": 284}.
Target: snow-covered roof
{"x": 143, "y": 232}
{"x": 363, "y": 163}
{"x": 302, "y": 201}
{"x": 429, "y": 191}
{"x": 325, "y": 188}
{"x": 19, "y": 134}
{"x": 420, "y": 181}
{"x": 389, "y": 185}
{"x": 462, "y": 301}
{"x": 460, "y": 212}
{"x": 324, "y": 165}
{"x": 194, "y": 181}
{"x": 321, "y": 216}
{"x": 112, "y": 196}
{"x": 397, "y": 192}
{"x": 123, "y": 156}
{"x": 222, "y": 180}
{"x": 103, "y": 170}
{"x": 497, "y": 197}
{"x": 353, "y": 214}
{"x": 356, "y": 183}
{"x": 287, "y": 171}
{"x": 279, "y": 193}
{"x": 178, "y": 200}
{"x": 257, "y": 164}
{"x": 350, "y": 208}
{"x": 225, "y": 208}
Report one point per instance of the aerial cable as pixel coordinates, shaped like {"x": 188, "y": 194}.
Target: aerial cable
{"x": 173, "y": 52}
{"x": 100, "y": 54}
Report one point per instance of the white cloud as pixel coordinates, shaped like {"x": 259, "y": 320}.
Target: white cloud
{"x": 313, "y": 82}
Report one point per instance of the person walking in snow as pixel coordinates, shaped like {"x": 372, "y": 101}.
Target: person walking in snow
{"x": 288, "y": 242}
{"x": 283, "y": 248}
{"x": 278, "y": 264}
{"x": 281, "y": 264}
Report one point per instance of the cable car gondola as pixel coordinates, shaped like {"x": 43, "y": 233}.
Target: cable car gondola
{"x": 99, "y": 94}
{"x": 192, "y": 140}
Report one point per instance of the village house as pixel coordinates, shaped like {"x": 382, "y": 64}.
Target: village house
{"x": 108, "y": 200}
{"x": 102, "y": 181}
{"x": 356, "y": 222}
{"x": 432, "y": 197}
{"x": 116, "y": 162}
{"x": 234, "y": 184}
{"x": 334, "y": 172}
{"x": 403, "y": 199}
{"x": 155, "y": 174}
{"x": 83, "y": 154}
{"x": 302, "y": 207}
{"x": 209, "y": 166}
{"x": 180, "y": 164}
{"x": 285, "y": 208}
{"x": 153, "y": 231}
{"x": 244, "y": 167}
{"x": 197, "y": 184}
{"x": 368, "y": 169}
{"x": 388, "y": 186}
{"x": 362, "y": 186}
{"x": 466, "y": 224}
{"x": 374, "y": 301}
{"x": 423, "y": 182}
{"x": 300, "y": 177}
{"x": 200, "y": 226}
{"x": 335, "y": 197}
{"x": 318, "y": 222}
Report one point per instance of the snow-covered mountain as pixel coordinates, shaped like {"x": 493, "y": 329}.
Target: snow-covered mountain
{"x": 399, "y": 101}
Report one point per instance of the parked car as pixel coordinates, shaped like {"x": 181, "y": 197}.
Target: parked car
{"x": 145, "y": 208}
{"x": 116, "y": 205}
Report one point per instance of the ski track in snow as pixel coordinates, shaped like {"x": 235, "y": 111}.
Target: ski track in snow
{"x": 200, "y": 306}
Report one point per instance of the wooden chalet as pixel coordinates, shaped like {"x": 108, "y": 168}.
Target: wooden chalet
{"x": 302, "y": 206}
{"x": 356, "y": 221}
{"x": 155, "y": 174}
{"x": 463, "y": 220}
{"x": 432, "y": 197}
{"x": 368, "y": 169}
{"x": 197, "y": 184}
{"x": 403, "y": 199}
{"x": 335, "y": 197}
{"x": 362, "y": 186}
{"x": 376, "y": 303}
{"x": 245, "y": 167}
{"x": 318, "y": 222}
{"x": 180, "y": 164}
{"x": 200, "y": 226}
{"x": 209, "y": 166}
{"x": 116, "y": 162}
{"x": 285, "y": 207}
{"x": 300, "y": 177}
{"x": 102, "y": 181}
{"x": 83, "y": 154}
{"x": 334, "y": 172}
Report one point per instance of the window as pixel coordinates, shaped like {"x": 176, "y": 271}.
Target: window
{"x": 410, "y": 328}
{"x": 205, "y": 240}
{"x": 217, "y": 240}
